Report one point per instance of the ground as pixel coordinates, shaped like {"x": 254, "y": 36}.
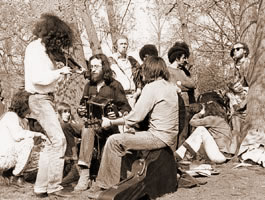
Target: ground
{"x": 242, "y": 183}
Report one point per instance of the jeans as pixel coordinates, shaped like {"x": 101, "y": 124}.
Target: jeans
{"x": 51, "y": 162}
{"x": 117, "y": 146}
{"x": 86, "y": 147}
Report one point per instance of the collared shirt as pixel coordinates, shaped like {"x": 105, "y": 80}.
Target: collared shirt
{"x": 40, "y": 73}
{"x": 123, "y": 71}
{"x": 158, "y": 100}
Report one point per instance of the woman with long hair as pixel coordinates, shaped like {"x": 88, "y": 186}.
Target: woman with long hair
{"x": 16, "y": 141}
{"x": 212, "y": 132}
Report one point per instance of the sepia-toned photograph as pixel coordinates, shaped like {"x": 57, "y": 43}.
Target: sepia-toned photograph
{"x": 132, "y": 99}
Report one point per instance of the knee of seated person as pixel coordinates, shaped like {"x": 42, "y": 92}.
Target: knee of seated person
{"x": 27, "y": 141}
{"x": 201, "y": 129}
{"x": 114, "y": 139}
{"x": 219, "y": 160}
{"x": 87, "y": 132}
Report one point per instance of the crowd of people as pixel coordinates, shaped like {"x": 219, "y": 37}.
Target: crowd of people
{"x": 125, "y": 106}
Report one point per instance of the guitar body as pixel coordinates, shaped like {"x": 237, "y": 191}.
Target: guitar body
{"x": 153, "y": 175}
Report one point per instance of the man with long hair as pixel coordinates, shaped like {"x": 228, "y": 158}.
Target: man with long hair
{"x": 159, "y": 100}
{"x": 100, "y": 89}
{"x": 52, "y": 37}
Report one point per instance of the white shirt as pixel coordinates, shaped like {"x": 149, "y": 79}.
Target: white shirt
{"x": 123, "y": 72}
{"x": 40, "y": 73}
{"x": 11, "y": 132}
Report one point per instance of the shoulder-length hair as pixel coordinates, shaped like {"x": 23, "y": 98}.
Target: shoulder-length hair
{"x": 54, "y": 33}
{"x": 107, "y": 72}
{"x": 154, "y": 67}
{"x": 62, "y": 106}
{"x": 214, "y": 109}
{"x": 20, "y": 103}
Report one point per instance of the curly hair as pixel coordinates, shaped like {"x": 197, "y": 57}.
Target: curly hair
{"x": 54, "y": 33}
{"x": 20, "y": 103}
{"x": 154, "y": 67}
{"x": 107, "y": 72}
{"x": 148, "y": 49}
{"x": 177, "y": 50}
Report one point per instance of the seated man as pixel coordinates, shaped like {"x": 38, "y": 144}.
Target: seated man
{"x": 101, "y": 88}
{"x": 159, "y": 100}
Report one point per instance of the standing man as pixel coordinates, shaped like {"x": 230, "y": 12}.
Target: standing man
{"x": 178, "y": 56}
{"x": 238, "y": 88}
{"x": 52, "y": 35}
{"x": 124, "y": 68}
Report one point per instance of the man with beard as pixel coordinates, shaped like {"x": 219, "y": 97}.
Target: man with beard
{"x": 101, "y": 88}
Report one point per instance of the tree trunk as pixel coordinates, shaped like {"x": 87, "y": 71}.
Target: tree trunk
{"x": 184, "y": 27}
{"x": 112, "y": 20}
{"x": 248, "y": 22}
{"x": 84, "y": 12}
{"x": 256, "y": 77}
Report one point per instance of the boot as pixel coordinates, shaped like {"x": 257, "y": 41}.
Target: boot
{"x": 71, "y": 176}
{"x": 84, "y": 182}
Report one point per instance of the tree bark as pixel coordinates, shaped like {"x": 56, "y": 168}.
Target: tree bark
{"x": 184, "y": 27}
{"x": 83, "y": 11}
{"x": 248, "y": 22}
{"x": 256, "y": 76}
{"x": 112, "y": 20}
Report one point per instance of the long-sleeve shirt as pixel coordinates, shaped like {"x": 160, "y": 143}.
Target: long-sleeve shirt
{"x": 40, "y": 73}
{"x": 123, "y": 71}
{"x": 158, "y": 100}
{"x": 218, "y": 128}
{"x": 11, "y": 131}
{"x": 114, "y": 91}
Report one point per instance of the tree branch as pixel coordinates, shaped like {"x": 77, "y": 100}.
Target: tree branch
{"x": 127, "y": 8}
{"x": 218, "y": 26}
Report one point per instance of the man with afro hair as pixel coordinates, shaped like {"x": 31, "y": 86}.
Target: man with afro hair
{"x": 148, "y": 50}
{"x": 178, "y": 56}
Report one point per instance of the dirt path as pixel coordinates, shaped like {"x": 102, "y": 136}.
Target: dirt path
{"x": 245, "y": 183}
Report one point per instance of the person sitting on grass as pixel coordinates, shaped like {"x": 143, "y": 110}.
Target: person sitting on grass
{"x": 72, "y": 131}
{"x": 16, "y": 141}
{"x": 159, "y": 100}
{"x": 212, "y": 131}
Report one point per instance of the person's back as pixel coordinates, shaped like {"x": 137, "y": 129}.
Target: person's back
{"x": 163, "y": 120}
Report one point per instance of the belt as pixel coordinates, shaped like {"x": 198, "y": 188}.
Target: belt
{"x": 48, "y": 94}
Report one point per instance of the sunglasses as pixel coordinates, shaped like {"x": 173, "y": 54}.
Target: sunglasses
{"x": 237, "y": 48}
